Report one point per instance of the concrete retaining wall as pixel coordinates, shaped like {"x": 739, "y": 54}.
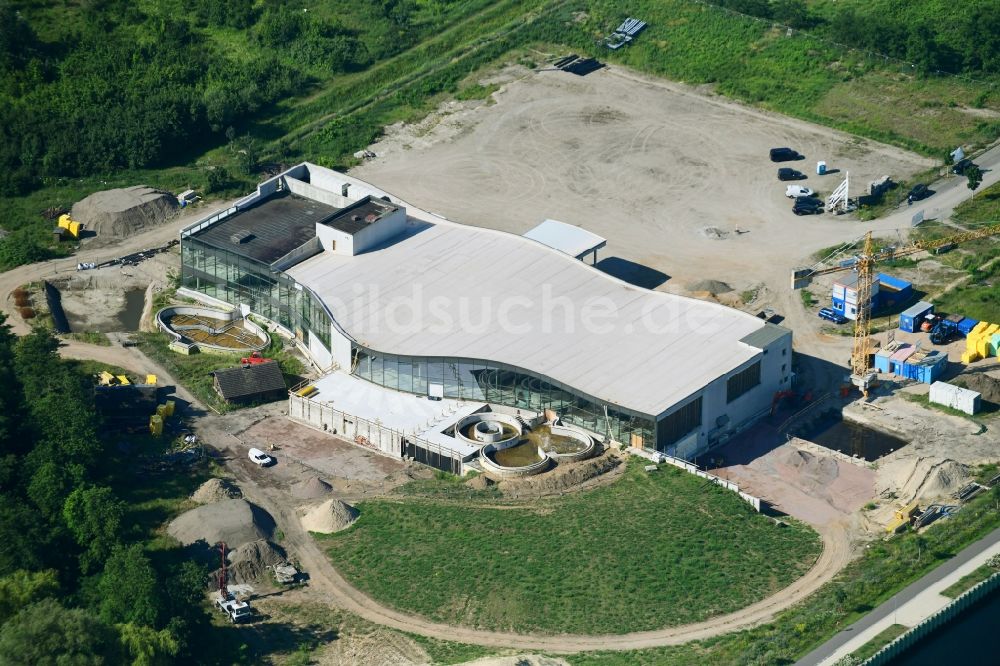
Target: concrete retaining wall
{"x": 229, "y": 316}
{"x": 887, "y": 654}
{"x": 580, "y": 436}
{"x": 511, "y": 472}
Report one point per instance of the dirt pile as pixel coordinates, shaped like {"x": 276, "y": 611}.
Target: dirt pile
{"x": 312, "y": 488}
{"x": 249, "y": 562}
{"x": 124, "y": 212}
{"x": 216, "y": 490}
{"x": 820, "y": 471}
{"x": 234, "y": 521}
{"x": 981, "y": 382}
{"x": 563, "y": 477}
{"x": 331, "y": 516}
{"x": 479, "y": 482}
{"x": 713, "y": 287}
{"x": 920, "y": 478}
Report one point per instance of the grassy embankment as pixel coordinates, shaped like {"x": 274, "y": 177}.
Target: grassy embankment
{"x": 648, "y": 551}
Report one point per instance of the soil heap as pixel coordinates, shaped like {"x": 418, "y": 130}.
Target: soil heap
{"x": 216, "y": 490}
{"x": 920, "y": 478}
{"x": 235, "y": 521}
{"x": 249, "y": 562}
{"x": 331, "y": 516}
{"x": 124, "y": 212}
{"x": 981, "y": 383}
{"x": 312, "y": 488}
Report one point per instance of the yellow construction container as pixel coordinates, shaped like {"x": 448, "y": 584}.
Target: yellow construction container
{"x": 161, "y": 411}
{"x": 155, "y": 425}
{"x": 171, "y": 406}
{"x": 969, "y": 357}
{"x": 106, "y": 378}
{"x": 896, "y": 524}
{"x": 64, "y": 221}
{"x": 908, "y": 511}
{"x": 151, "y": 380}
{"x": 306, "y": 391}
{"x": 123, "y": 380}
{"x": 74, "y": 229}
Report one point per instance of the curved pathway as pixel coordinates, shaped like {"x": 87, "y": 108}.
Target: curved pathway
{"x": 334, "y": 587}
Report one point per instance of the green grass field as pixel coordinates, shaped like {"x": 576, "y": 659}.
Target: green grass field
{"x": 648, "y": 551}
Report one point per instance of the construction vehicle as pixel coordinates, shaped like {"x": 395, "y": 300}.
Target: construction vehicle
{"x": 238, "y": 611}
{"x": 254, "y": 358}
{"x": 71, "y": 226}
{"x": 862, "y": 373}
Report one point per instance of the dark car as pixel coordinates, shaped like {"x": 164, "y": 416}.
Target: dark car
{"x": 784, "y": 155}
{"x": 832, "y": 315}
{"x": 962, "y": 166}
{"x": 919, "y": 191}
{"x": 807, "y": 206}
{"x": 785, "y": 173}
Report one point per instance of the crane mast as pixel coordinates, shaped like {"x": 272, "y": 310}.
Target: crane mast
{"x": 865, "y": 262}
{"x": 861, "y": 371}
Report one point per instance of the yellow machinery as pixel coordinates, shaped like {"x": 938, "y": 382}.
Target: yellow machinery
{"x": 155, "y": 425}
{"x": 151, "y": 380}
{"x": 70, "y": 225}
{"x": 122, "y": 380}
{"x": 862, "y": 374}
{"x": 903, "y": 517}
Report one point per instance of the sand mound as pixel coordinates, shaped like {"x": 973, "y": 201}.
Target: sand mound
{"x": 216, "y": 490}
{"x": 124, "y": 212}
{"x": 479, "y": 482}
{"x": 312, "y": 488}
{"x": 329, "y": 517}
{"x": 821, "y": 470}
{"x": 249, "y": 562}
{"x": 982, "y": 383}
{"x": 234, "y": 521}
{"x": 922, "y": 479}
{"x": 563, "y": 477}
{"x": 713, "y": 287}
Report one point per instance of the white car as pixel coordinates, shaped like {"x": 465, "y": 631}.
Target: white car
{"x": 793, "y": 191}
{"x": 258, "y": 457}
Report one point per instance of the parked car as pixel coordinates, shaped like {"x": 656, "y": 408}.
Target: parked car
{"x": 832, "y": 315}
{"x": 795, "y": 191}
{"x": 807, "y": 206}
{"x": 961, "y": 166}
{"x": 260, "y": 458}
{"x": 919, "y": 191}
{"x": 790, "y": 174}
{"x": 784, "y": 155}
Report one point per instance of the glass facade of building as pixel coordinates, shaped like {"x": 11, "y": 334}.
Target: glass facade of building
{"x": 499, "y": 383}
{"x": 236, "y": 279}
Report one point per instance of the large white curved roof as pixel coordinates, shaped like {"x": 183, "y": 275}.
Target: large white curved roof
{"x": 451, "y": 290}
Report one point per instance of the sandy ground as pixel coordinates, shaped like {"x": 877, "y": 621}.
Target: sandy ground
{"x": 665, "y": 173}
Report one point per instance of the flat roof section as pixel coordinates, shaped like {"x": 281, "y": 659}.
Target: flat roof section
{"x": 269, "y": 230}
{"x": 449, "y": 290}
{"x": 359, "y": 215}
{"x": 574, "y": 241}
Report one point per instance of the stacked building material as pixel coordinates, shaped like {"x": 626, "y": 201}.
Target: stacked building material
{"x": 981, "y": 342}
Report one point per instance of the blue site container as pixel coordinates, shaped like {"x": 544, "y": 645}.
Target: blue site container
{"x": 893, "y": 291}
{"x": 966, "y": 325}
{"x": 911, "y": 319}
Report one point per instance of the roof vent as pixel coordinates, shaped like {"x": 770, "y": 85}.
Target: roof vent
{"x": 241, "y": 236}
{"x": 370, "y": 217}
{"x": 355, "y": 218}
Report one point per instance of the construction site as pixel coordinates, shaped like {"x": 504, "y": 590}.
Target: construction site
{"x": 465, "y": 306}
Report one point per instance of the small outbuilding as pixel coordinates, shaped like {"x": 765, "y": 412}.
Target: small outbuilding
{"x": 955, "y": 397}
{"x": 260, "y": 382}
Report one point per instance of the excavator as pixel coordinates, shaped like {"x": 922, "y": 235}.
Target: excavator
{"x": 864, "y": 263}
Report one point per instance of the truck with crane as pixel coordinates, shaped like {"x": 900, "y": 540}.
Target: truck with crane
{"x": 237, "y": 611}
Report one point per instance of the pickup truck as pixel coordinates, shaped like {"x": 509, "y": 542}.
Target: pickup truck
{"x": 238, "y": 611}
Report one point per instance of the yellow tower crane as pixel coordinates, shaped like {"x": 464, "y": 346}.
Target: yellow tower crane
{"x": 864, "y": 264}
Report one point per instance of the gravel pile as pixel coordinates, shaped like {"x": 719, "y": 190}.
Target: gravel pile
{"x": 234, "y": 521}
{"x": 331, "y": 516}
{"x": 312, "y": 488}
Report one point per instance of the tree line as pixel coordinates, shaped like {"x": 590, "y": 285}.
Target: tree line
{"x": 77, "y": 585}
{"x": 120, "y": 88}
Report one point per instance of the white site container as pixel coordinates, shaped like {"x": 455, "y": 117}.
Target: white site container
{"x": 955, "y": 397}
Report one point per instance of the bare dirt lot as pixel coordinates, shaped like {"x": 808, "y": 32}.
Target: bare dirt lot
{"x": 667, "y": 174}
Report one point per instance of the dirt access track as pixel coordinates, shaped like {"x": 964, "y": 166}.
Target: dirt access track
{"x": 234, "y": 434}
{"x": 665, "y": 173}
